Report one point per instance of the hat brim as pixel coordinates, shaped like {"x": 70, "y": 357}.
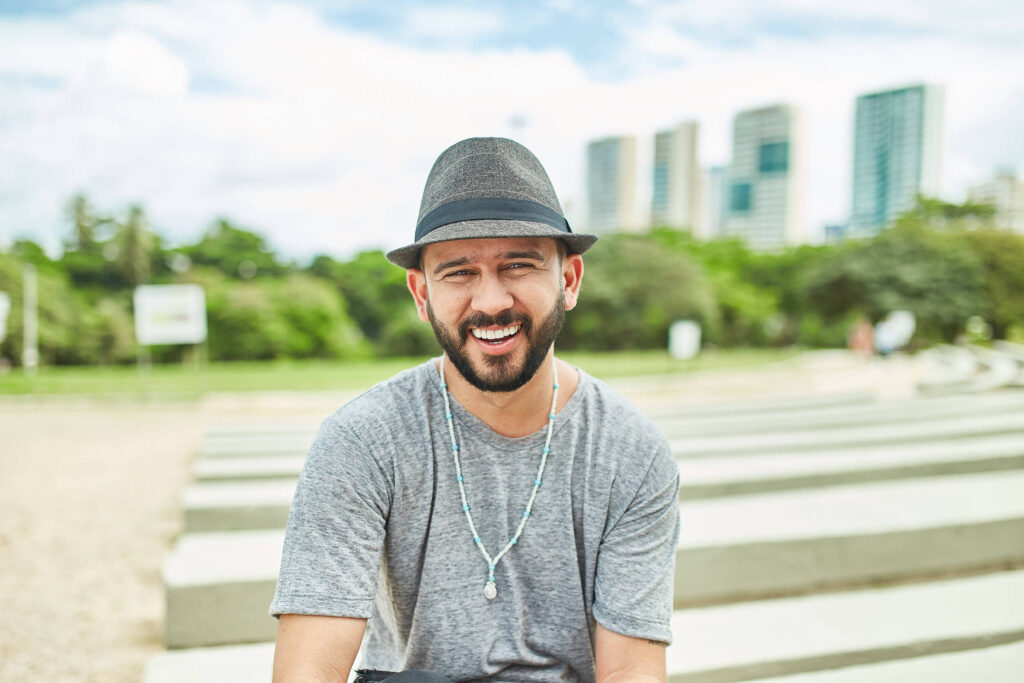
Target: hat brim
{"x": 408, "y": 256}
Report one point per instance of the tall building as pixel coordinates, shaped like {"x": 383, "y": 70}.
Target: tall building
{"x": 611, "y": 184}
{"x": 897, "y": 149}
{"x": 1005, "y": 193}
{"x": 713, "y": 204}
{"x": 676, "y": 182}
{"x": 763, "y": 204}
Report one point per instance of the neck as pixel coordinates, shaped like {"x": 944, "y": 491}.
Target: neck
{"x": 519, "y": 412}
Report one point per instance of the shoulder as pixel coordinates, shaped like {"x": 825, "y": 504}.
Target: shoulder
{"x": 616, "y": 418}
{"x": 384, "y": 410}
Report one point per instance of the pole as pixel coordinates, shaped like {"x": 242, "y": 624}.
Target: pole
{"x": 30, "y": 314}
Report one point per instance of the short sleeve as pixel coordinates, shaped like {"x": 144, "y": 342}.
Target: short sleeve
{"x": 335, "y": 534}
{"x": 633, "y": 588}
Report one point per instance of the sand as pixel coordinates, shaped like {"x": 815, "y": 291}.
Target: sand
{"x": 88, "y": 509}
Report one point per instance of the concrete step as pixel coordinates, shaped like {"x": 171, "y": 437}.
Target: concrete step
{"x": 849, "y": 437}
{"x": 753, "y": 641}
{"x": 233, "y": 506}
{"x": 945, "y": 631}
{"x": 256, "y": 493}
{"x": 796, "y": 541}
{"x": 901, "y": 411}
{"x": 226, "y": 664}
{"x": 665, "y": 407}
{"x": 803, "y": 423}
{"x": 218, "y": 585}
{"x": 273, "y": 445}
{"x": 729, "y": 475}
{"x": 248, "y": 469}
{"x": 995, "y": 664}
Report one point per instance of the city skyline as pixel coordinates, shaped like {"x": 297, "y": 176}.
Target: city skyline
{"x": 317, "y": 126}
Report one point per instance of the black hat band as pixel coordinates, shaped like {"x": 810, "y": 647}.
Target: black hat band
{"x": 491, "y": 208}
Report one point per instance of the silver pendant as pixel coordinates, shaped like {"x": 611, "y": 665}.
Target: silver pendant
{"x": 490, "y": 590}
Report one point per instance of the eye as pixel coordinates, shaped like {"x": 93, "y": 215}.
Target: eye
{"x": 457, "y": 274}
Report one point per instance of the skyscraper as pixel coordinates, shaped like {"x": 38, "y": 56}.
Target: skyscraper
{"x": 897, "y": 147}
{"x": 763, "y": 200}
{"x": 676, "y": 198}
{"x": 1005, "y": 193}
{"x": 611, "y": 184}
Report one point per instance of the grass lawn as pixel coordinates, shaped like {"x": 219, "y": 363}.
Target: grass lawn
{"x": 188, "y": 382}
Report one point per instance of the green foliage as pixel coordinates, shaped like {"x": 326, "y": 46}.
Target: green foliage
{"x": 235, "y": 252}
{"x": 60, "y": 314}
{"x": 944, "y": 262}
{"x": 1001, "y": 254}
{"x": 633, "y": 290}
{"x": 296, "y": 316}
{"x": 906, "y": 267}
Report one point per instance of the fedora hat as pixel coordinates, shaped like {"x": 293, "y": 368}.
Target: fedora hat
{"x": 488, "y": 187}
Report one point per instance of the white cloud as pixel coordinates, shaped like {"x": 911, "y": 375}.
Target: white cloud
{"x": 452, "y": 23}
{"x": 322, "y": 137}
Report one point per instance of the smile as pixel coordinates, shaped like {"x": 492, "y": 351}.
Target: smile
{"x": 496, "y": 335}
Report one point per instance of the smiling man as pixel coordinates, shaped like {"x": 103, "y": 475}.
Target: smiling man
{"x": 496, "y": 513}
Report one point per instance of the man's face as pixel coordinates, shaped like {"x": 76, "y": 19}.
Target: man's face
{"x": 496, "y": 305}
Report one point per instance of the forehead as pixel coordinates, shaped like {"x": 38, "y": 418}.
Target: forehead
{"x": 485, "y": 249}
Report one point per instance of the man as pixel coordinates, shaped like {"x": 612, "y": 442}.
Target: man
{"x": 496, "y": 513}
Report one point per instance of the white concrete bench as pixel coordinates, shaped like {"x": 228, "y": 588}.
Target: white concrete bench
{"x": 219, "y": 585}
{"x": 755, "y": 640}
{"x": 248, "y": 469}
{"x": 710, "y": 477}
{"x": 898, "y": 634}
{"x": 233, "y": 506}
{"x": 776, "y": 543}
{"x": 994, "y": 664}
{"x": 850, "y": 437}
{"x": 900, "y": 411}
{"x": 256, "y": 493}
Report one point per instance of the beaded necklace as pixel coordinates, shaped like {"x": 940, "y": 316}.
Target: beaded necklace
{"x": 490, "y": 589}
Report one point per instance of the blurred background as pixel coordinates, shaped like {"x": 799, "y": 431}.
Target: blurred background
{"x": 803, "y": 206}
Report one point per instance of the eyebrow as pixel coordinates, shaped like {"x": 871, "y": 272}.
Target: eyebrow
{"x": 451, "y": 264}
{"x": 528, "y": 254}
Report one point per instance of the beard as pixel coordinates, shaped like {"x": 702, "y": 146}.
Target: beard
{"x": 501, "y": 373}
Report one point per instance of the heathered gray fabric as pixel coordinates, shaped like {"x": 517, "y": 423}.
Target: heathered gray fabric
{"x": 378, "y": 492}
{"x": 487, "y": 167}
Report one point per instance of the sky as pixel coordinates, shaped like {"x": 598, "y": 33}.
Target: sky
{"x": 315, "y": 123}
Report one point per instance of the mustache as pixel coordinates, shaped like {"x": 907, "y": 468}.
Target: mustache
{"x": 503, "y": 319}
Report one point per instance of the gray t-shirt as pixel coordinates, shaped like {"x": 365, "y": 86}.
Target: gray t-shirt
{"x": 377, "y": 531}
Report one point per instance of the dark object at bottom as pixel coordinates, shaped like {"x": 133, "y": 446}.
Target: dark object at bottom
{"x": 412, "y": 676}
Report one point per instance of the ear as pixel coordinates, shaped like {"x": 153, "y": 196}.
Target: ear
{"x": 416, "y": 281}
{"x": 572, "y": 276}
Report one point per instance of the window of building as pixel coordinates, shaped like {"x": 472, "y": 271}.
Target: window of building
{"x": 774, "y": 157}
{"x": 740, "y": 197}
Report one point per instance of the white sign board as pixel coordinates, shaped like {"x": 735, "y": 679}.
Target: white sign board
{"x": 170, "y": 314}
{"x": 5, "y": 308}
{"x": 684, "y": 339}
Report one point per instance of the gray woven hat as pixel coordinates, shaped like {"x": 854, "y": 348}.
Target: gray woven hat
{"x": 488, "y": 187}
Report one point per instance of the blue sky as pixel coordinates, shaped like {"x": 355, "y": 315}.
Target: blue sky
{"x": 316, "y": 122}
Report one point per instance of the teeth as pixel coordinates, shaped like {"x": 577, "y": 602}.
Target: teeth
{"x": 496, "y": 334}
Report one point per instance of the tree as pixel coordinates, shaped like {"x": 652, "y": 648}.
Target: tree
{"x": 235, "y": 252}
{"x": 633, "y": 290}
{"x": 906, "y": 267}
{"x": 134, "y": 247}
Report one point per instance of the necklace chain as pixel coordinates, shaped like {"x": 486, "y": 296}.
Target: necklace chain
{"x": 490, "y": 589}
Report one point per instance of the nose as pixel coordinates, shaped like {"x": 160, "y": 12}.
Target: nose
{"x": 491, "y": 296}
